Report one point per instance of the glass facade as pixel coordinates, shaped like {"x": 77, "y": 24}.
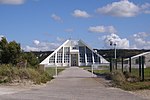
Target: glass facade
{"x": 85, "y": 55}
{"x": 96, "y": 58}
{"x": 89, "y": 55}
{"x": 82, "y": 54}
{"x": 59, "y": 55}
{"x": 52, "y": 59}
{"x": 66, "y": 54}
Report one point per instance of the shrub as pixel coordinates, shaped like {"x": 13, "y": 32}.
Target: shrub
{"x": 8, "y": 74}
{"x": 45, "y": 77}
{"x": 108, "y": 76}
{"x": 130, "y": 78}
{"x": 127, "y": 74}
{"x": 118, "y": 77}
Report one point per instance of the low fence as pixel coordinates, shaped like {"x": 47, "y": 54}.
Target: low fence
{"x": 139, "y": 70}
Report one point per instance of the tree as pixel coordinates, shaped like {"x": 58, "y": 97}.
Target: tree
{"x": 14, "y": 51}
{"x": 4, "y": 51}
{"x": 32, "y": 60}
{"x": 10, "y": 52}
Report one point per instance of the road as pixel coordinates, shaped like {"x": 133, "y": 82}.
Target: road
{"x": 72, "y": 84}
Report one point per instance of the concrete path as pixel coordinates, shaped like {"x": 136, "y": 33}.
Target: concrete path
{"x": 73, "y": 84}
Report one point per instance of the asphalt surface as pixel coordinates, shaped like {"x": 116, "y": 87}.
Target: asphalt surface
{"x": 72, "y": 84}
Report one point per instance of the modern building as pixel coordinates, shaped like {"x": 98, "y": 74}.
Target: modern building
{"x": 135, "y": 60}
{"x": 73, "y": 53}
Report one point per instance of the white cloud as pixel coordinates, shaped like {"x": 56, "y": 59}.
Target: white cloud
{"x": 56, "y": 18}
{"x": 43, "y": 45}
{"x": 141, "y": 40}
{"x": 122, "y": 8}
{"x": 102, "y": 29}
{"x": 141, "y": 35}
{"x": 145, "y": 6}
{"x": 29, "y": 48}
{"x": 14, "y": 2}
{"x": 1, "y": 36}
{"x": 36, "y": 42}
{"x": 147, "y": 11}
{"x": 121, "y": 43}
{"x": 60, "y": 39}
{"x": 80, "y": 14}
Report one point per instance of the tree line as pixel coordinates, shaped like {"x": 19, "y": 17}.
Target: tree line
{"x": 125, "y": 53}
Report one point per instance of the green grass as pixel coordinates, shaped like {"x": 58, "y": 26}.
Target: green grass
{"x": 118, "y": 80}
{"x": 135, "y": 72}
{"x": 101, "y": 71}
{"x": 11, "y": 74}
{"x": 135, "y": 86}
{"x": 85, "y": 67}
{"x": 52, "y": 71}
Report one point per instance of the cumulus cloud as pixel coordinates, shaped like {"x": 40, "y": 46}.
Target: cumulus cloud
{"x": 141, "y": 35}
{"x": 36, "y": 42}
{"x": 122, "y": 43}
{"x": 80, "y": 14}
{"x": 14, "y": 2}
{"x": 42, "y": 46}
{"x": 124, "y": 8}
{"x": 145, "y": 6}
{"x": 1, "y": 36}
{"x": 56, "y": 18}
{"x": 29, "y": 48}
{"x": 102, "y": 29}
{"x": 60, "y": 39}
{"x": 141, "y": 40}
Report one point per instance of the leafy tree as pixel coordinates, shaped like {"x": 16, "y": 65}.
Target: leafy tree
{"x": 32, "y": 60}
{"x": 14, "y": 52}
{"x": 4, "y": 51}
{"x": 9, "y": 51}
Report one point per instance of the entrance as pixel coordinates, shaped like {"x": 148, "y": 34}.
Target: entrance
{"x": 74, "y": 59}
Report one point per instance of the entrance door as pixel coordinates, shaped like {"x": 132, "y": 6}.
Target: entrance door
{"x": 74, "y": 59}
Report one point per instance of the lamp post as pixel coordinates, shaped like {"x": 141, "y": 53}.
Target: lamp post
{"x": 114, "y": 44}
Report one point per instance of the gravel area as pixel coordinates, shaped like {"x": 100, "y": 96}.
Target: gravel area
{"x": 72, "y": 84}
{"x": 143, "y": 93}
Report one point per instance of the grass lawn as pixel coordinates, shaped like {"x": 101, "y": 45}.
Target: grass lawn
{"x": 86, "y": 67}
{"x": 51, "y": 70}
{"x": 130, "y": 85}
{"x": 135, "y": 72}
{"x": 101, "y": 71}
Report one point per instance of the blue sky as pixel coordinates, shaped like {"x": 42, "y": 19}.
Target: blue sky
{"x": 45, "y": 24}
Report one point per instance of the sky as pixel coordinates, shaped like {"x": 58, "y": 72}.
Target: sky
{"x": 43, "y": 25}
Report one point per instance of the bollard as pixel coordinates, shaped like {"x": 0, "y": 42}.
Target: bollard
{"x": 122, "y": 64}
{"x": 143, "y": 61}
{"x": 110, "y": 64}
{"x": 140, "y": 66}
{"x": 116, "y": 63}
{"x": 130, "y": 64}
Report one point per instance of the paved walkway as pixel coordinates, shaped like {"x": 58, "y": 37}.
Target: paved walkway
{"x": 73, "y": 84}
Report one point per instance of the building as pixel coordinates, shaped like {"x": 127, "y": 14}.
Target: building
{"x": 73, "y": 53}
{"x": 135, "y": 60}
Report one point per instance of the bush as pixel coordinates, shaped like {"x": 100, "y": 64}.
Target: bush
{"x": 108, "y": 76}
{"x": 9, "y": 73}
{"x": 118, "y": 77}
{"x": 131, "y": 78}
{"x": 45, "y": 77}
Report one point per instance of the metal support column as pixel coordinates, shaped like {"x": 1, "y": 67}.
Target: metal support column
{"x": 130, "y": 64}
{"x": 122, "y": 63}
